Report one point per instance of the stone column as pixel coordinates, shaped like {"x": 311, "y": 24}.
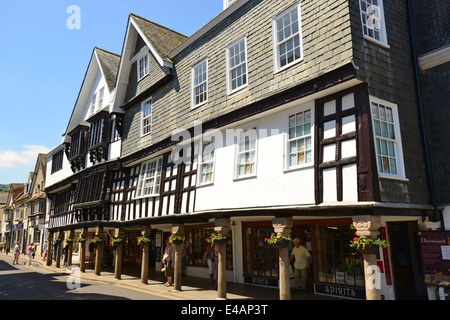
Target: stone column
{"x": 145, "y": 232}
{"x": 222, "y": 226}
{"x": 69, "y": 253}
{"x": 118, "y": 257}
{"x": 50, "y": 249}
{"x": 177, "y": 229}
{"x": 83, "y": 234}
{"x": 282, "y": 227}
{"x": 367, "y": 227}
{"x": 98, "y": 251}
{"x": 58, "y": 249}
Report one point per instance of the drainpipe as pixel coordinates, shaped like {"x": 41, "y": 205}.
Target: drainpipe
{"x": 436, "y": 214}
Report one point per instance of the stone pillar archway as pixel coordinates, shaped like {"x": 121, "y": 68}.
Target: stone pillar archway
{"x": 99, "y": 250}
{"x": 283, "y": 227}
{"x": 367, "y": 227}
{"x": 177, "y": 229}
{"x": 222, "y": 226}
{"x": 59, "y": 248}
{"x": 118, "y": 234}
{"x": 83, "y": 234}
{"x": 145, "y": 232}
{"x": 70, "y": 247}
{"x": 50, "y": 249}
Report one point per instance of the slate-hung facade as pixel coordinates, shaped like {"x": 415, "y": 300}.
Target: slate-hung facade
{"x": 302, "y": 122}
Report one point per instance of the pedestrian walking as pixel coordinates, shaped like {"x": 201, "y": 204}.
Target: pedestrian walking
{"x": 16, "y": 253}
{"x": 45, "y": 249}
{"x": 30, "y": 254}
{"x": 167, "y": 260}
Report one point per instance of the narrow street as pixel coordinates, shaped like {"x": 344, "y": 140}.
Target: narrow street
{"x": 23, "y": 282}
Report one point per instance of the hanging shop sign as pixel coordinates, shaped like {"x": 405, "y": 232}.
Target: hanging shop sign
{"x": 18, "y": 226}
{"x": 435, "y": 248}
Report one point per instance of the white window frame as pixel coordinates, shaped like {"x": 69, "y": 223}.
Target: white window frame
{"x": 374, "y": 17}
{"x": 153, "y": 167}
{"x": 396, "y": 141}
{"x": 207, "y": 161}
{"x": 101, "y": 96}
{"x": 288, "y": 137}
{"x": 148, "y": 117}
{"x": 93, "y": 103}
{"x": 277, "y": 44}
{"x": 241, "y": 138}
{"x": 145, "y": 70}
{"x": 230, "y": 70}
{"x": 195, "y": 86}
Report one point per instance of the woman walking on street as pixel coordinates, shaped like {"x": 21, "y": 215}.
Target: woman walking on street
{"x": 30, "y": 254}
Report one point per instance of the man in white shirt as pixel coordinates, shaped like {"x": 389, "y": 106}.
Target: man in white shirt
{"x": 301, "y": 265}
{"x": 16, "y": 253}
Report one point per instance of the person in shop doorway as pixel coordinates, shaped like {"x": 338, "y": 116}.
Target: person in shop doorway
{"x": 65, "y": 252}
{"x": 16, "y": 253}
{"x": 210, "y": 256}
{"x": 301, "y": 264}
{"x": 45, "y": 250}
{"x": 91, "y": 253}
{"x": 167, "y": 260}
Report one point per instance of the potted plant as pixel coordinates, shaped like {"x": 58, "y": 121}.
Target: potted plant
{"x": 366, "y": 245}
{"x": 277, "y": 241}
{"x": 216, "y": 238}
{"x": 143, "y": 240}
{"x": 176, "y": 238}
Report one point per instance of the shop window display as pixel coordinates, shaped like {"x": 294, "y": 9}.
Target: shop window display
{"x": 336, "y": 261}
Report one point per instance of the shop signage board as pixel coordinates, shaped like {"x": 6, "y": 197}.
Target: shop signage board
{"x": 337, "y": 290}
{"x": 262, "y": 281}
{"x": 435, "y": 248}
{"x": 18, "y": 226}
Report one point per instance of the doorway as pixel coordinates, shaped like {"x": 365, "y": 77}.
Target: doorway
{"x": 405, "y": 257}
{"x": 303, "y": 232}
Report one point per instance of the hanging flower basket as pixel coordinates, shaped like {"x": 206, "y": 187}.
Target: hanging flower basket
{"x": 143, "y": 240}
{"x": 115, "y": 242}
{"x": 216, "y": 238}
{"x": 81, "y": 240}
{"x": 368, "y": 245}
{"x": 276, "y": 241}
{"x": 176, "y": 239}
{"x": 69, "y": 240}
{"x": 58, "y": 240}
{"x": 97, "y": 240}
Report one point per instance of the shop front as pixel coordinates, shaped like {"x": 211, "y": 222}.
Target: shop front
{"x": 335, "y": 268}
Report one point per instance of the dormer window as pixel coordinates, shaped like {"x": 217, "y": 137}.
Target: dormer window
{"x": 142, "y": 67}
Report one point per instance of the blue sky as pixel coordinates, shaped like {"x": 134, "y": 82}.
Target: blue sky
{"x": 43, "y": 63}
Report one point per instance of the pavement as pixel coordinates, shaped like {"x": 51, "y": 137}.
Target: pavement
{"x": 192, "y": 288}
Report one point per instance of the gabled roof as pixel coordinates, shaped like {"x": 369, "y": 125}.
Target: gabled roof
{"x": 109, "y": 63}
{"x": 161, "y": 40}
